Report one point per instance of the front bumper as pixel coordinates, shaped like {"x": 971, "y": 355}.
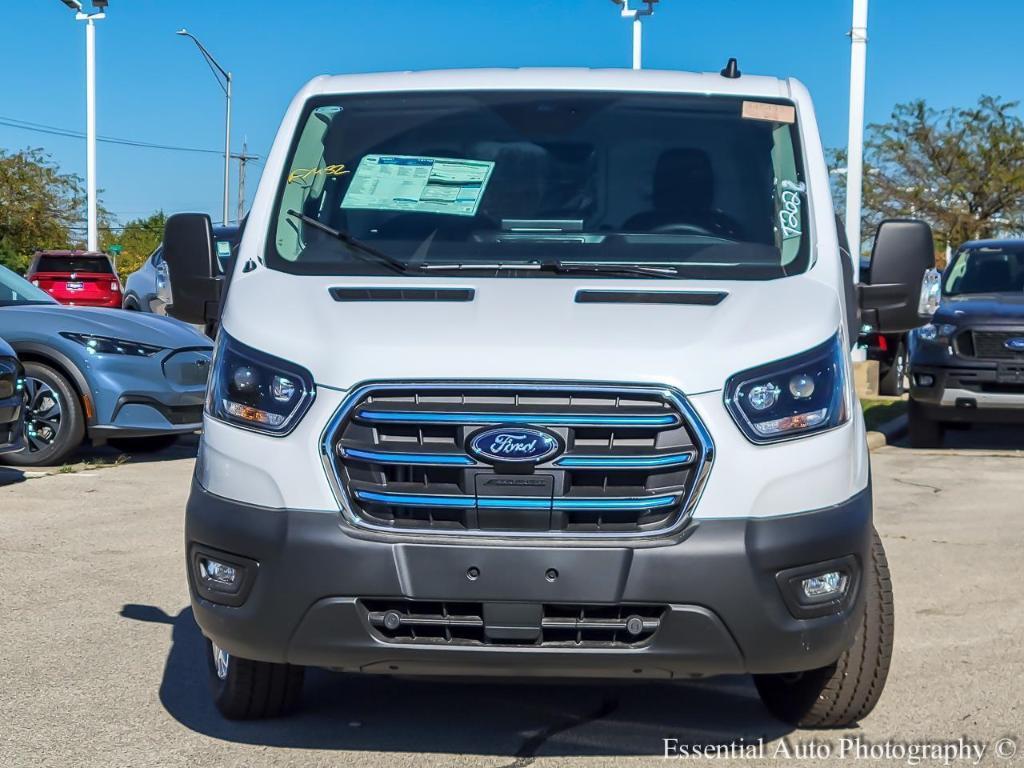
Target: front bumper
{"x": 718, "y": 580}
{"x": 988, "y": 393}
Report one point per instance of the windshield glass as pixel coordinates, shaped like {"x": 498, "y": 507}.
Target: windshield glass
{"x": 701, "y": 186}
{"x": 14, "y": 289}
{"x": 988, "y": 269}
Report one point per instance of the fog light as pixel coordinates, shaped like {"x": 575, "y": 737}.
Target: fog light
{"x": 219, "y": 576}
{"x": 925, "y": 379}
{"x": 830, "y": 584}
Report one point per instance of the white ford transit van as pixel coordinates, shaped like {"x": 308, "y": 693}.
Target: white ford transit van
{"x": 541, "y": 372}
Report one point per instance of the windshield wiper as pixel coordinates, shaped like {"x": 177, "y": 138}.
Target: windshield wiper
{"x": 559, "y": 267}
{"x": 356, "y": 246}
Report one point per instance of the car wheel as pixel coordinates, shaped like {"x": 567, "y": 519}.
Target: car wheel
{"x": 841, "y": 694}
{"x": 925, "y": 432}
{"x": 893, "y": 384}
{"x": 54, "y": 423}
{"x": 150, "y": 444}
{"x": 251, "y": 690}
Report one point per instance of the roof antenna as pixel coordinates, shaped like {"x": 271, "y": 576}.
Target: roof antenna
{"x": 732, "y": 70}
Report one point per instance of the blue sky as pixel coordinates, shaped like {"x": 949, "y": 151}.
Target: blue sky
{"x": 153, "y": 85}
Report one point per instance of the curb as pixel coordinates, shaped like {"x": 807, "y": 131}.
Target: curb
{"x": 888, "y": 433}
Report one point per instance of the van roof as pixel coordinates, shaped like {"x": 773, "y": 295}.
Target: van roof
{"x": 559, "y": 79}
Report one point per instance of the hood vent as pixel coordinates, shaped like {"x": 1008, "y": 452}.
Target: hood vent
{"x": 402, "y": 294}
{"x": 697, "y": 298}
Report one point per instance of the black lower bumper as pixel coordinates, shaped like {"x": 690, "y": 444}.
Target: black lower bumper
{"x": 722, "y": 584}
{"x": 990, "y": 394}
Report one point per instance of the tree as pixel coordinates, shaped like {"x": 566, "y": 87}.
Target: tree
{"x": 138, "y": 239}
{"x": 959, "y": 169}
{"x": 40, "y": 207}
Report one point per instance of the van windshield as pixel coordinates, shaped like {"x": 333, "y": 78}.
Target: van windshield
{"x": 685, "y": 185}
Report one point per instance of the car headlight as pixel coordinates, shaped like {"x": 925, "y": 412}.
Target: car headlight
{"x": 938, "y": 333}
{"x": 255, "y": 390}
{"x": 801, "y": 395}
{"x": 108, "y": 345}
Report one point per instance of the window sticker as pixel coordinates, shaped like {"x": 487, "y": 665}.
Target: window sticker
{"x": 790, "y": 202}
{"x": 223, "y": 250}
{"x": 421, "y": 184}
{"x": 776, "y": 113}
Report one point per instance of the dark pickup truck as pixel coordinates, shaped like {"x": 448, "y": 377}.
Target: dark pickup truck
{"x": 967, "y": 364}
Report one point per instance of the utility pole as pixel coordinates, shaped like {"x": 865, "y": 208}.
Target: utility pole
{"x": 224, "y": 81}
{"x": 243, "y": 159}
{"x": 855, "y": 145}
{"x": 636, "y": 15}
{"x": 92, "y": 229}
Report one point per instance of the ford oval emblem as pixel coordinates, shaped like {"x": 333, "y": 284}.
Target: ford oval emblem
{"x": 513, "y": 445}
{"x": 1015, "y": 345}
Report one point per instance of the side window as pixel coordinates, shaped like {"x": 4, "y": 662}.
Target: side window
{"x": 158, "y": 257}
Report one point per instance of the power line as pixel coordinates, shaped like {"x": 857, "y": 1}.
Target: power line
{"x": 53, "y": 130}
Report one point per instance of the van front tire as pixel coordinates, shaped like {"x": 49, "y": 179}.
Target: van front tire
{"x": 252, "y": 690}
{"x": 843, "y": 693}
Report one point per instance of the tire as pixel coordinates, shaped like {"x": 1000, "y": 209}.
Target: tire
{"x": 842, "y": 694}
{"x": 893, "y": 384}
{"x": 150, "y": 444}
{"x": 54, "y": 422}
{"x": 252, "y": 690}
{"x": 924, "y": 431}
{"x": 130, "y": 304}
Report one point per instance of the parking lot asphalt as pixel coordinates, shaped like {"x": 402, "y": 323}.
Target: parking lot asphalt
{"x": 102, "y": 664}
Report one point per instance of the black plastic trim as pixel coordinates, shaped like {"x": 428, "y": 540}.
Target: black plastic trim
{"x": 405, "y": 293}
{"x": 695, "y": 298}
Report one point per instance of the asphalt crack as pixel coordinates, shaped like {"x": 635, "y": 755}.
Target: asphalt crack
{"x": 932, "y": 488}
{"x": 527, "y": 753}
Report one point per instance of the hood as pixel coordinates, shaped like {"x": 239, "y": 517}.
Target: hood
{"x": 981, "y": 308}
{"x": 528, "y": 328}
{"x": 39, "y": 322}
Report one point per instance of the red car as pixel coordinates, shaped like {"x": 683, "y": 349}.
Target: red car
{"x": 79, "y": 278}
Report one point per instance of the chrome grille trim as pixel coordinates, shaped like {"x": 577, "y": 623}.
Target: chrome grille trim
{"x": 704, "y": 458}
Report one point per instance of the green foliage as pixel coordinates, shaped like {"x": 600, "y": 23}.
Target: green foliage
{"x": 39, "y": 206}
{"x": 138, "y": 239}
{"x": 960, "y": 169}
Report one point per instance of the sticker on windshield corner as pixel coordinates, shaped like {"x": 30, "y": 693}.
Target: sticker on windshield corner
{"x": 776, "y": 113}
{"x": 790, "y": 203}
{"x": 421, "y": 184}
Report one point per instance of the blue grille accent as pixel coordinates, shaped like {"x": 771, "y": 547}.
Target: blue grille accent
{"x": 626, "y": 462}
{"x": 419, "y": 459}
{"x": 540, "y": 419}
{"x": 499, "y": 502}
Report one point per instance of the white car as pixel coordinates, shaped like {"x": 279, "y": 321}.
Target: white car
{"x": 542, "y": 372}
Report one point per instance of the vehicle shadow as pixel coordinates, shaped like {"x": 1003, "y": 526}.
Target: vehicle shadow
{"x": 979, "y": 437}
{"x": 103, "y": 455}
{"x": 514, "y": 719}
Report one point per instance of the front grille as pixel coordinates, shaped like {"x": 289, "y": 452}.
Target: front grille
{"x": 458, "y": 623}
{"x": 990, "y": 345}
{"x": 632, "y": 459}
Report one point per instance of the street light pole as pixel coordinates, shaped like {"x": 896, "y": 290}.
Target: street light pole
{"x": 636, "y": 15}
{"x": 92, "y": 233}
{"x": 855, "y": 145}
{"x": 219, "y": 73}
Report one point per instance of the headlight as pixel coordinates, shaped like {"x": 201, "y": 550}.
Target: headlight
{"x": 793, "y": 397}
{"x": 941, "y": 333}
{"x": 107, "y": 345}
{"x": 257, "y": 391}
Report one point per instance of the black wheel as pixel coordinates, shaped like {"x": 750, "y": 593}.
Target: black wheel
{"x": 252, "y": 690}
{"x": 54, "y": 423}
{"x": 841, "y": 694}
{"x": 925, "y": 432}
{"x": 150, "y": 444}
{"x": 893, "y": 384}
{"x": 130, "y": 304}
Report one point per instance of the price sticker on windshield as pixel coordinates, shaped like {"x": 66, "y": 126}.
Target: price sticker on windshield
{"x": 776, "y": 113}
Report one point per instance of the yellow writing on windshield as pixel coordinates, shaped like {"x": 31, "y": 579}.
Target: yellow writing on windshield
{"x": 305, "y": 174}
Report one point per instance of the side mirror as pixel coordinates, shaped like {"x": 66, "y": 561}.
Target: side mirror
{"x": 191, "y": 258}
{"x": 903, "y": 252}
